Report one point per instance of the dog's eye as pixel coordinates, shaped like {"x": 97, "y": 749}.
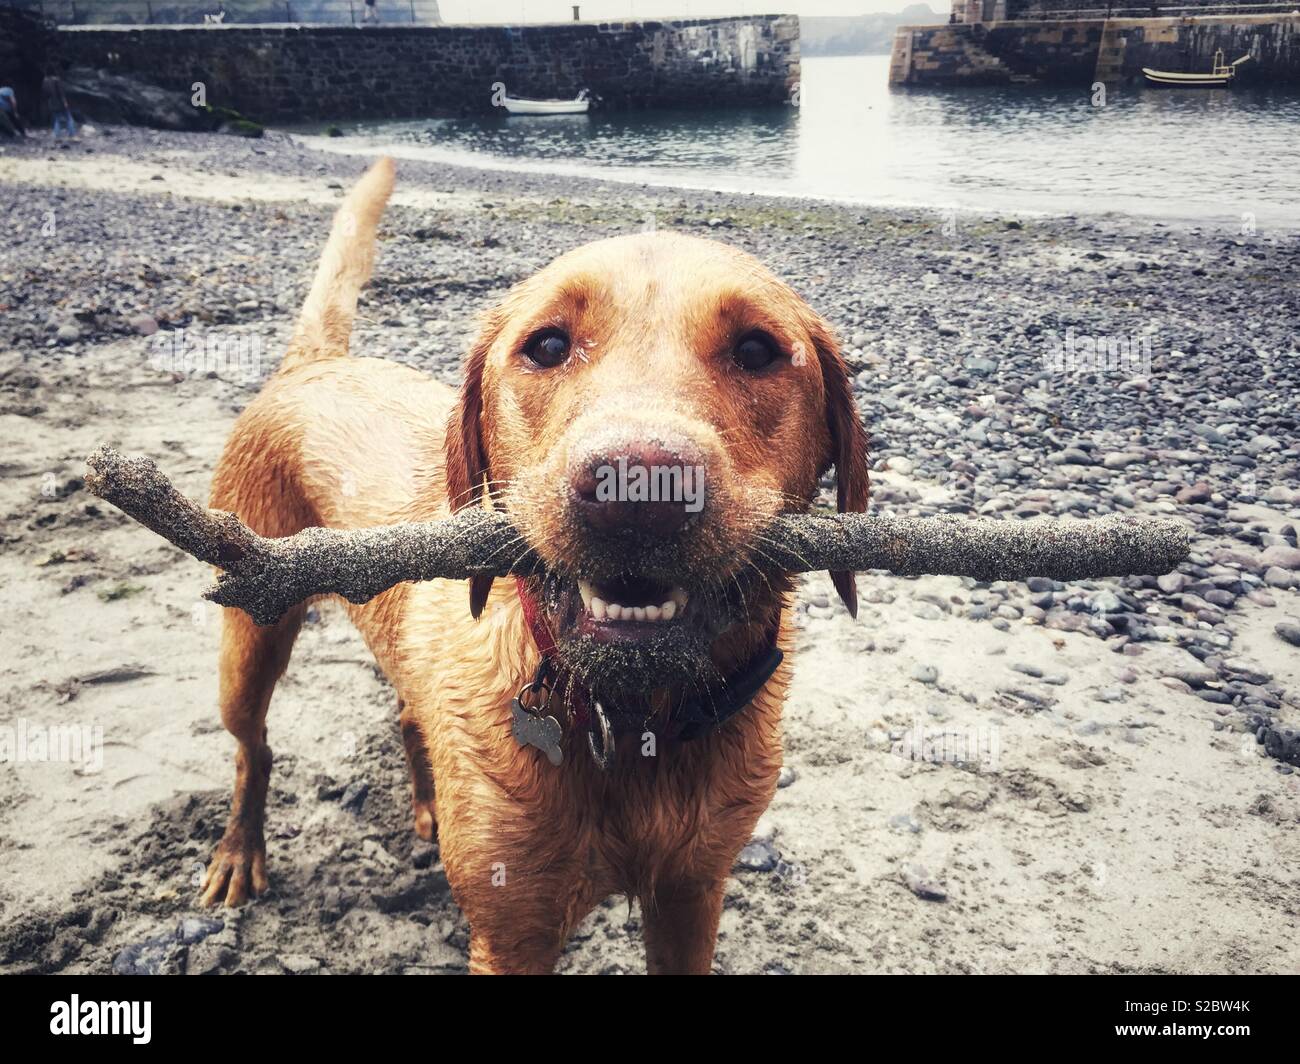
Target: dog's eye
{"x": 755, "y": 352}
{"x": 547, "y": 348}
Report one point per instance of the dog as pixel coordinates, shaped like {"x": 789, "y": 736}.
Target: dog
{"x": 611, "y": 725}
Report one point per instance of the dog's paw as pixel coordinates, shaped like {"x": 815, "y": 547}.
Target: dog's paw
{"x": 426, "y": 824}
{"x": 237, "y": 872}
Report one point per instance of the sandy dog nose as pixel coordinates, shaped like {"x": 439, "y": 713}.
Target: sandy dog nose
{"x": 650, "y": 489}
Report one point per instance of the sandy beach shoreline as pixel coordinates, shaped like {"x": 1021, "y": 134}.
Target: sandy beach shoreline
{"x": 1130, "y": 774}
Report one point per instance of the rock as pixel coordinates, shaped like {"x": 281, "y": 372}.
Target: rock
{"x": 758, "y": 857}
{"x": 900, "y": 465}
{"x": 1288, "y": 631}
{"x": 1172, "y": 583}
{"x": 785, "y": 777}
{"x": 1105, "y": 602}
{"x": 1178, "y": 663}
{"x": 1283, "y": 744}
{"x": 354, "y": 796}
{"x": 1279, "y": 578}
{"x": 196, "y": 928}
{"x": 67, "y": 334}
{"x": 144, "y": 324}
{"x": 299, "y": 964}
{"x": 1120, "y": 459}
{"x": 1241, "y": 669}
{"x": 925, "y": 673}
{"x": 764, "y": 830}
{"x": 161, "y": 955}
{"x": 905, "y": 823}
{"x": 111, "y": 98}
{"x": 1260, "y": 444}
{"x": 920, "y": 883}
{"x": 1195, "y": 493}
{"x": 1280, "y": 557}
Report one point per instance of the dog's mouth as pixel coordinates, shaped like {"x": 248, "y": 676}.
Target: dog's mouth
{"x": 632, "y": 632}
{"x": 628, "y": 607}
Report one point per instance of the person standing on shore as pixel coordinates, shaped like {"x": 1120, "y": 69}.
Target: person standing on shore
{"x": 371, "y": 13}
{"x": 11, "y": 122}
{"x": 56, "y": 103}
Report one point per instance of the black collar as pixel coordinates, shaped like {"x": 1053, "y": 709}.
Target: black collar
{"x": 708, "y": 711}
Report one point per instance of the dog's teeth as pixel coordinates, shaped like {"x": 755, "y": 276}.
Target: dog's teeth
{"x": 601, "y": 610}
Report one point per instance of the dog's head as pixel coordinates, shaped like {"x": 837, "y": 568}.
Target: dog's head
{"x": 642, "y": 408}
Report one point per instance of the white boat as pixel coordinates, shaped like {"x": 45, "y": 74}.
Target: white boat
{"x": 516, "y": 105}
{"x": 1218, "y": 76}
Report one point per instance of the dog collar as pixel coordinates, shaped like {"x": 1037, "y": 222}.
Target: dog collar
{"x": 690, "y": 718}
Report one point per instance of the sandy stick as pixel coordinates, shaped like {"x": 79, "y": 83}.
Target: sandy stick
{"x": 265, "y": 577}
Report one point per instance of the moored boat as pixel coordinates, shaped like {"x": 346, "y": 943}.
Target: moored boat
{"x": 517, "y": 105}
{"x": 1219, "y": 75}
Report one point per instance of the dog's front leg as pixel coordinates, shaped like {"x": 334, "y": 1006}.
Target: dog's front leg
{"x": 521, "y": 932}
{"x": 521, "y": 878}
{"x": 681, "y": 927}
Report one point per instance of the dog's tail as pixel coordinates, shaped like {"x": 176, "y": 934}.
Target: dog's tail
{"x": 325, "y": 324}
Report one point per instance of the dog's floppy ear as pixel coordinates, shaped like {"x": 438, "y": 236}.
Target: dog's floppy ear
{"x": 465, "y": 458}
{"x": 848, "y": 445}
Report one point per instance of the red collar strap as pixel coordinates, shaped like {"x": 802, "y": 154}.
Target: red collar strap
{"x": 692, "y": 717}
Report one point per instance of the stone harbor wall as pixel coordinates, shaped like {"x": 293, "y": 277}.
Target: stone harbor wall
{"x": 1081, "y": 51}
{"x": 27, "y": 45}
{"x": 290, "y": 73}
{"x": 1040, "y": 9}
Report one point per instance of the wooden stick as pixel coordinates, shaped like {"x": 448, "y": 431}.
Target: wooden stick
{"x": 265, "y": 577}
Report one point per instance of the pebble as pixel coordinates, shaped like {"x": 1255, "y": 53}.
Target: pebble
{"x": 925, "y": 673}
{"x": 354, "y": 796}
{"x": 923, "y": 885}
{"x": 758, "y": 856}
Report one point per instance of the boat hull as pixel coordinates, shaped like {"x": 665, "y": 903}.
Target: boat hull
{"x": 545, "y": 107}
{"x": 1169, "y": 80}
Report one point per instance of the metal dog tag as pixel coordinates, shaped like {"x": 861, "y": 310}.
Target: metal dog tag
{"x": 532, "y": 729}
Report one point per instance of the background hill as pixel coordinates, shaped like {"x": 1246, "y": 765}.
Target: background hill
{"x": 860, "y": 34}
